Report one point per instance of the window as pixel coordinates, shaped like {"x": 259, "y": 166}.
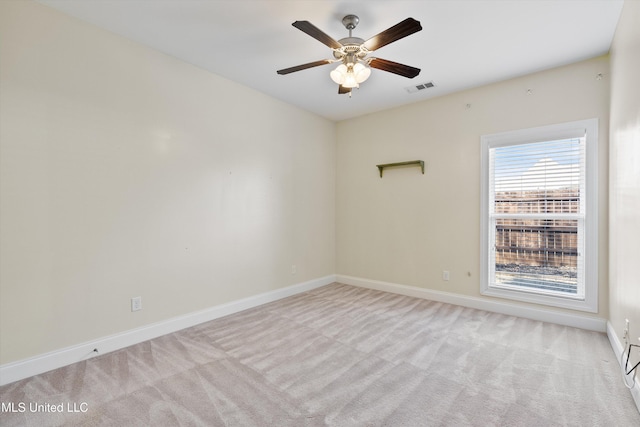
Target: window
{"x": 539, "y": 215}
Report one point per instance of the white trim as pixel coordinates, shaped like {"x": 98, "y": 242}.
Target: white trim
{"x": 21, "y": 369}
{"x": 616, "y": 345}
{"x": 583, "y": 322}
{"x": 556, "y": 131}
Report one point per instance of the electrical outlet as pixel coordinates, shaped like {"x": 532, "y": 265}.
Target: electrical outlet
{"x": 136, "y": 303}
{"x": 294, "y": 269}
{"x": 445, "y": 275}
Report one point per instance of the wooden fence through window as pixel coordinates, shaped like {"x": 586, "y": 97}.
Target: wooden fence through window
{"x": 537, "y": 242}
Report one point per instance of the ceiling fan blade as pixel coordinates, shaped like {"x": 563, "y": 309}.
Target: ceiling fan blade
{"x": 304, "y": 66}
{"x": 394, "y": 67}
{"x": 390, "y": 35}
{"x": 342, "y": 89}
{"x": 317, "y": 33}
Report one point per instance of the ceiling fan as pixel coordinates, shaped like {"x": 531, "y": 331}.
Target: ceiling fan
{"x": 352, "y": 52}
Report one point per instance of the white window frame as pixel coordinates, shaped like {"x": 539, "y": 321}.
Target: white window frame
{"x": 588, "y": 128}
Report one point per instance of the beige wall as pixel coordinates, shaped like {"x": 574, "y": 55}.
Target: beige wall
{"x": 126, "y": 172}
{"x": 624, "y": 204}
{"x": 406, "y": 228}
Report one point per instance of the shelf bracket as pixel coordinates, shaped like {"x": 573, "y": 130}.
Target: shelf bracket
{"x": 409, "y": 163}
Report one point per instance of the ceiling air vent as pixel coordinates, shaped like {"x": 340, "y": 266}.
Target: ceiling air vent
{"x": 419, "y": 87}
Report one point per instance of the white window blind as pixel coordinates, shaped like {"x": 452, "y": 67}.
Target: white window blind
{"x": 537, "y": 210}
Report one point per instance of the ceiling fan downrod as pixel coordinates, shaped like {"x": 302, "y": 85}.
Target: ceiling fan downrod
{"x": 350, "y": 22}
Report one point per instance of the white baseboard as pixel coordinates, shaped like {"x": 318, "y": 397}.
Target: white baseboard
{"x": 617, "y": 349}
{"x": 567, "y": 319}
{"x": 42, "y": 363}
{"x": 16, "y": 371}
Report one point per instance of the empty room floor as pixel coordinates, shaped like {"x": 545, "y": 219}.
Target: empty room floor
{"x": 342, "y": 356}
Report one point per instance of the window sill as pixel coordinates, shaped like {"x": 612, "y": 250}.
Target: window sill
{"x": 548, "y": 300}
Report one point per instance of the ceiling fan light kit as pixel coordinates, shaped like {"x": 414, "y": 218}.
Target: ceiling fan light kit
{"x": 350, "y": 75}
{"x": 352, "y": 53}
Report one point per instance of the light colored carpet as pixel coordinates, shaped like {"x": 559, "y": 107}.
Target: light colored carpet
{"x": 344, "y": 356}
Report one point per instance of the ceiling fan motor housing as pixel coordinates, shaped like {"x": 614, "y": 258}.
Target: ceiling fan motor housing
{"x": 350, "y": 46}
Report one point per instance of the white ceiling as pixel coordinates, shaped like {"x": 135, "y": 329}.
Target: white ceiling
{"x": 463, "y": 44}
